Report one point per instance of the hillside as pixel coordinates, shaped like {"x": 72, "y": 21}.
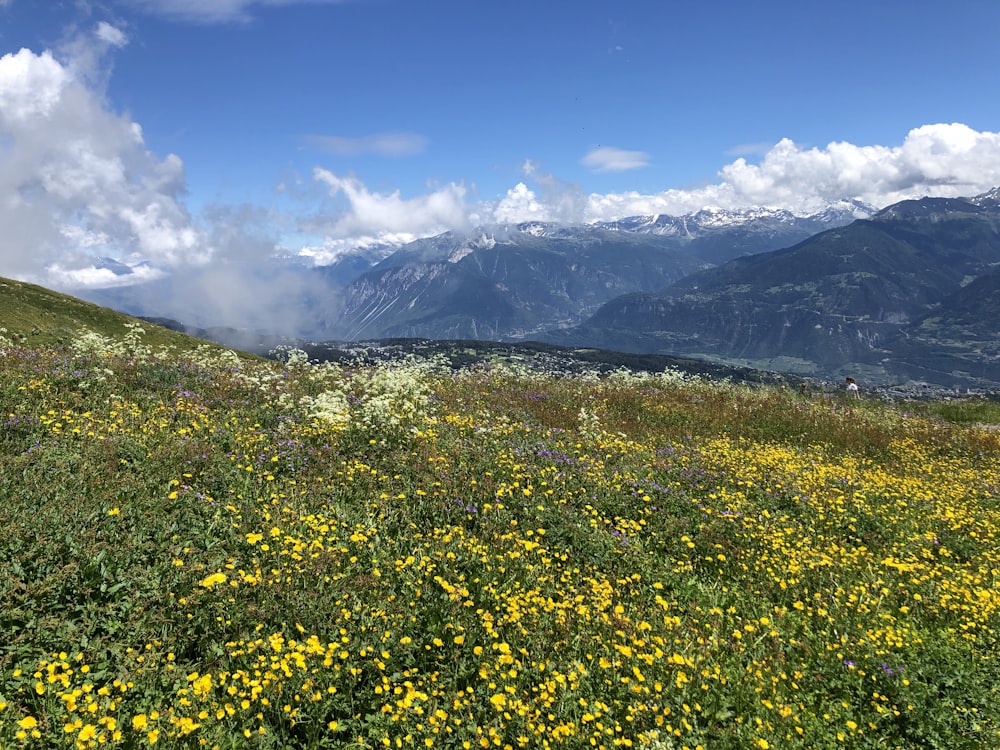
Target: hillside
{"x": 36, "y": 316}
{"x": 876, "y": 297}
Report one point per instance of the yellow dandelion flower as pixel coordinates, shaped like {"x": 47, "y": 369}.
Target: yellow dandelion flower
{"x": 213, "y": 580}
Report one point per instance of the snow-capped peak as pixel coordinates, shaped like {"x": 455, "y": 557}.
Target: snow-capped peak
{"x": 990, "y": 198}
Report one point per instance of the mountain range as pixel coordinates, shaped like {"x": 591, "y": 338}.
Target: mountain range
{"x": 497, "y": 282}
{"x": 518, "y": 281}
{"x": 907, "y": 293}
{"x": 911, "y": 293}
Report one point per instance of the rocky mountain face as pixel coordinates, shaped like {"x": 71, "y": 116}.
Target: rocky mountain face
{"x": 491, "y": 287}
{"x": 517, "y": 281}
{"x": 911, "y": 293}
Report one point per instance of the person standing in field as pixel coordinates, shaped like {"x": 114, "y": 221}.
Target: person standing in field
{"x": 852, "y": 388}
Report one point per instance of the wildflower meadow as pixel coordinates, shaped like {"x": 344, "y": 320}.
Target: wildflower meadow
{"x": 204, "y": 550}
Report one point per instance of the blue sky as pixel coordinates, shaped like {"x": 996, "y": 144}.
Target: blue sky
{"x": 179, "y": 130}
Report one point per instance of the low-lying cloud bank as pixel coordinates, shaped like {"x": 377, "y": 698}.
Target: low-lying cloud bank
{"x": 77, "y": 182}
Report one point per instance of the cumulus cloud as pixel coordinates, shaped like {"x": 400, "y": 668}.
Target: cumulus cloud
{"x": 945, "y": 160}
{"x": 381, "y": 144}
{"x": 521, "y": 204}
{"x": 609, "y": 159}
{"x": 371, "y": 213}
{"x": 76, "y": 180}
{"x": 212, "y": 11}
{"x": 939, "y": 160}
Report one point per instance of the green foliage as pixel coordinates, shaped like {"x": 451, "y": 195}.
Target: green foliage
{"x": 33, "y": 316}
{"x": 202, "y": 550}
{"x": 963, "y": 411}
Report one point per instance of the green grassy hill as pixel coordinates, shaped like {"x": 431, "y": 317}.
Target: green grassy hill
{"x": 35, "y": 316}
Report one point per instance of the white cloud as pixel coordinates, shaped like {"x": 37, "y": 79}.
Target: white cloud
{"x": 521, "y": 204}
{"x": 380, "y": 213}
{"x": 213, "y": 11}
{"x": 560, "y": 201}
{"x": 941, "y": 160}
{"x": 937, "y": 160}
{"x": 611, "y": 206}
{"x": 381, "y": 144}
{"x": 91, "y": 277}
{"x": 609, "y": 159}
{"x": 30, "y": 86}
{"x": 85, "y": 56}
{"x": 332, "y": 249}
{"x": 76, "y": 180}
{"x": 111, "y": 35}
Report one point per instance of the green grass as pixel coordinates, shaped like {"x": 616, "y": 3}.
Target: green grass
{"x": 983, "y": 411}
{"x": 35, "y": 316}
{"x": 202, "y": 551}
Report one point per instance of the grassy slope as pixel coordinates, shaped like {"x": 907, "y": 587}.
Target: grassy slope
{"x": 37, "y": 316}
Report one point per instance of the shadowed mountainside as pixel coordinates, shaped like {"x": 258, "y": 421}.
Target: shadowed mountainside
{"x": 892, "y": 297}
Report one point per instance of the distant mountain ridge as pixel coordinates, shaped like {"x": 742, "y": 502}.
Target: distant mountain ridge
{"x": 513, "y": 283}
{"x": 497, "y": 282}
{"x": 522, "y": 279}
{"x": 717, "y": 235}
{"x": 908, "y": 294}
